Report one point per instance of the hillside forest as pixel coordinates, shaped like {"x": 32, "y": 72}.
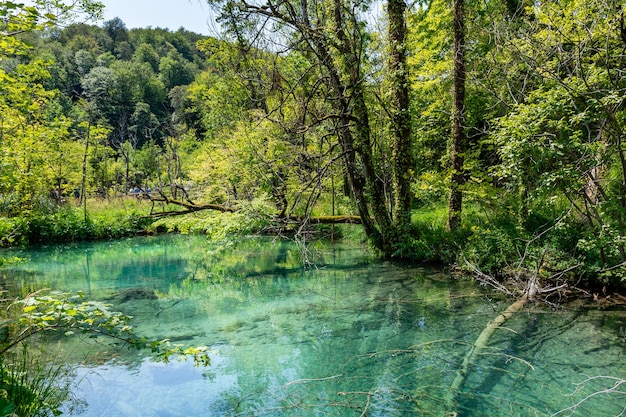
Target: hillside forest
{"x": 488, "y": 135}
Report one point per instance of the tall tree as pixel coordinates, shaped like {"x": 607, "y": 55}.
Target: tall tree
{"x": 331, "y": 35}
{"x": 400, "y": 115}
{"x": 116, "y": 29}
{"x": 459, "y": 140}
{"x": 34, "y": 138}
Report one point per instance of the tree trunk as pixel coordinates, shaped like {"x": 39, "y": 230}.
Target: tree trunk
{"x": 356, "y": 179}
{"x": 356, "y": 134}
{"x": 83, "y": 184}
{"x": 400, "y": 116}
{"x": 459, "y": 141}
{"x": 335, "y": 42}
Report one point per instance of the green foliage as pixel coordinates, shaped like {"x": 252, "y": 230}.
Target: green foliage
{"x": 174, "y": 70}
{"x": 543, "y": 142}
{"x": 63, "y": 314}
{"x": 67, "y": 224}
{"x": 4, "y": 262}
{"x": 12, "y": 231}
{"x": 429, "y": 188}
{"x": 562, "y": 142}
{"x": 70, "y": 226}
{"x": 493, "y": 248}
{"x": 33, "y": 388}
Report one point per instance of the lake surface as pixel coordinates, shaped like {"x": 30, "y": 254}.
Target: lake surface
{"x": 343, "y": 335}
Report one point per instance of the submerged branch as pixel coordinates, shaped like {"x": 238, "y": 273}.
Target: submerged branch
{"x": 617, "y": 382}
{"x": 532, "y": 291}
{"x": 479, "y": 345}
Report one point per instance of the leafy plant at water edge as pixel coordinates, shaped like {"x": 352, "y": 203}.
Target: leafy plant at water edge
{"x": 66, "y": 314}
{"x": 28, "y": 388}
{"x": 9, "y": 261}
{"x": 68, "y": 225}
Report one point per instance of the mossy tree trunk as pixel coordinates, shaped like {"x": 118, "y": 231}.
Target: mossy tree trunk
{"x": 331, "y": 35}
{"x": 400, "y": 116}
{"x": 459, "y": 140}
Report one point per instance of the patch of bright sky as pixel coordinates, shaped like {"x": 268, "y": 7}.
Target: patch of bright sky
{"x": 193, "y": 15}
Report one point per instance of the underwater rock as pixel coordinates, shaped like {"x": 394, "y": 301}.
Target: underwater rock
{"x": 134, "y": 294}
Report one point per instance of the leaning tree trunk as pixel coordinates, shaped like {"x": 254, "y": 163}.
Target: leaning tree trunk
{"x": 481, "y": 343}
{"x": 458, "y": 119}
{"x": 355, "y": 134}
{"x": 332, "y": 36}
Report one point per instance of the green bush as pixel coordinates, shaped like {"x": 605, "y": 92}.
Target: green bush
{"x": 429, "y": 241}
{"x": 491, "y": 248}
{"x": 68, "y": 224}
{"x": 12, "y": 231}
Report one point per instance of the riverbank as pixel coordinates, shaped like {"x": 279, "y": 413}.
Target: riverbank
{"x": 493, "y": 249}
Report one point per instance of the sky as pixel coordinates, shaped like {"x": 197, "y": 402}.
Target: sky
{"x": 193, "y": 15}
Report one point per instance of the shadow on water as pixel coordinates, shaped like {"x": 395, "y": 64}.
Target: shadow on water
{"x": 349, "y": 337}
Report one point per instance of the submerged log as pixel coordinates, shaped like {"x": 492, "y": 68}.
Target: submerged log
{"x": 479, "y": 345}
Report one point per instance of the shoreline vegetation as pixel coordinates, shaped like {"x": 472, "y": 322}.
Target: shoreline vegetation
{"x": 427, "y": 131}
{"x": 132, "y": 215}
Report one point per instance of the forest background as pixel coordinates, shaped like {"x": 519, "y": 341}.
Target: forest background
{"x": 486, "y": 135}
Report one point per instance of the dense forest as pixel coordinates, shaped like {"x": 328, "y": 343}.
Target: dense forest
{"x": 488, "y": 135}
{"x": 485, "y": 136}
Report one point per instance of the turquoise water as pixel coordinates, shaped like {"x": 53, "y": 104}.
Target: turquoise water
{"x": 345, "y": 336}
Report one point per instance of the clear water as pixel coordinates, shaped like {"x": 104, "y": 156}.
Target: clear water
{"x": 351, "y": 336}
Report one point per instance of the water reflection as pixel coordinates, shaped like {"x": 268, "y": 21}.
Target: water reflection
{"x": 350, "y": 337}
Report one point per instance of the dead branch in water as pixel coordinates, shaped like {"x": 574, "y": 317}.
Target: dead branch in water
{"x": 617, "y": 383}
{"x": 525, "y": 286}
{"x": 479, "y": 345}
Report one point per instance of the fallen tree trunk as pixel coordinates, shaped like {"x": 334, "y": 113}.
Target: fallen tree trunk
{"x": 479, "y": 345}
{"x": 190, "y": 207}
{"x": 346, "y": 219}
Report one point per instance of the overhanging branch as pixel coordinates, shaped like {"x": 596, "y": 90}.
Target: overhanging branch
{"x": 190, "y": 207}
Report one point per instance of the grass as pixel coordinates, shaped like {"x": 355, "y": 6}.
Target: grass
{"x": 31, "y": 386}
{"x": 106, "y": 219}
